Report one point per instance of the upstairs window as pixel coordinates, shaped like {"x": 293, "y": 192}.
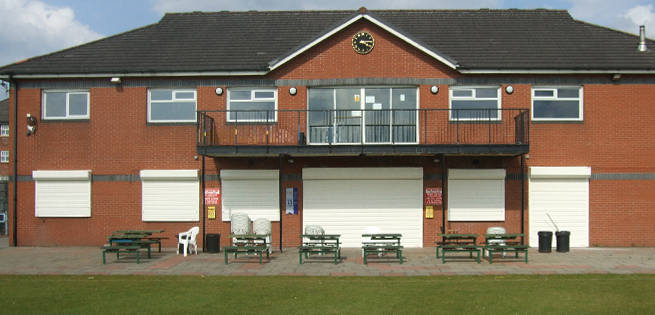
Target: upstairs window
{"x": 252, "y": 105}
{"x": 4, "y": 156}
{"x": 4, "y": 130}
{"x": 66, "y": 105}
{"x": 172, "y": 106}
{"x": 557, "y": 104}
{"x": 475, "y": 103}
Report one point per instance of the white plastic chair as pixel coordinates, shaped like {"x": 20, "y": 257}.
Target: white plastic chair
{"x": 188, "y": 238}
{"x": 240, "y": 224}
{"x": 367, "y": 240}
{"x": 496, "y": 230}
{"x": 263, "y": 226}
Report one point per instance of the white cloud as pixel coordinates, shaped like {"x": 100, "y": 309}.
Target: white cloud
{"x": 642, "y": 15}
{"x": 31, "y": 28}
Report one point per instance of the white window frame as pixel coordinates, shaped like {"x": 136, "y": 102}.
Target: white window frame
{"x": 68, "y": 94}
{"x": 555, "y": 97}
{"x": 4, "y": 130}
{"x": 4, "y": 156}
{"x": 170, "y": 195}
{"x": 174, "y": 99}
{"x": 476, "y": 195}
{"x": 62, "y": 193}
{"x": 253, "y": 98}
{"x": 474, "y": 97}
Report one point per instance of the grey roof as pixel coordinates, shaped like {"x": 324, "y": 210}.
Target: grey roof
{"x": 473, "y": 40}
{"x": 4, "y": 111}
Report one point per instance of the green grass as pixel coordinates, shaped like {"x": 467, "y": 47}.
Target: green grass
{"x": 552, "y": 294}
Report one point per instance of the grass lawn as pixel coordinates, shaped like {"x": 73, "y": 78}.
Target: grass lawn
{"x": 551, "y": 294}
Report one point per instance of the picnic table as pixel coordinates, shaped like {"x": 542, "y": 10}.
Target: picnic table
{"x": 382, "y": 243}
{"x": 128, "y": 241}
{"x": 508, "y": 244}
{"x": 321, "y": 244}
{"x": 458, "y": 243}
{"x": 248, "y": 243}
{"x": 147, "y": 235}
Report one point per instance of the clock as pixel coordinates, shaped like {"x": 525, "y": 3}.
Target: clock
{"x": 363, "y": 43}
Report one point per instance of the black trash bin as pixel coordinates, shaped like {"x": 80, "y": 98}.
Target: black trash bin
{"x": 545, "y": 241}
{"x": 213, "y": 243}
{"x": 563, "y": 238}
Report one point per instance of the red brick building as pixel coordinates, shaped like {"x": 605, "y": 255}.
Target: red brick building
{"x": 416, "y": 122}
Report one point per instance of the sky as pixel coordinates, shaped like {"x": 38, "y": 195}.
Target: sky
{"x": 30, "y": 28}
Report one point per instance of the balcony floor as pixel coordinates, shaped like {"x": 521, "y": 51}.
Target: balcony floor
{"x": 349, "y": 150}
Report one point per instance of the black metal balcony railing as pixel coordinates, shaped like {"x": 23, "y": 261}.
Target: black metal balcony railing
{"x": 363, "y": 127}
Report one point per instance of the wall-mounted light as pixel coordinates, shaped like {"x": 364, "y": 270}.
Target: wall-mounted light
{"x": 509, "y": 89}
{"x": 290, "y": 161}
{"x": 116, "y": 80}
{"x": 616, "y": 77}
{"x": 219, "y": 91}
{"x": 436, "y": 161}
{"x": 31, "y": 124}
{"x": 434, "y": 89}
{"x": 293, "y": 91}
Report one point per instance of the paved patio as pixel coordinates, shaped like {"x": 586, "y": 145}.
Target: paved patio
{"x": 416, "y": 262}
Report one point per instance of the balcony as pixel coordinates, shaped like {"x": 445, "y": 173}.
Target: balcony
{"x": 356, "y": 132}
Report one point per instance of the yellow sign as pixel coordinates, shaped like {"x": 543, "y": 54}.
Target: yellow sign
{"x": 211, "y": 213}
{"x": 429, "y": 212}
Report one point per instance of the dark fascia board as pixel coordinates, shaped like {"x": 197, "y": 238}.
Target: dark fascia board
{"x": 371, "y": 17}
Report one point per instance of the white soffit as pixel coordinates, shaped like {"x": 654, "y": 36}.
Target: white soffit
{"x": 169, "y": 175}
{"x": 583, "y": 172}
{"x": 374, "y": 21}
{"x": 61, "y": 175}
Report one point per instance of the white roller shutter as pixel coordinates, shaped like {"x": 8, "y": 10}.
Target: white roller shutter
{"x": 476, "y": 195}
{"x": 253, "y": 192}
{"x": 170, "y": 195}
{"x": 562, "y": 193}
{"x": 62, "y": 193}
{"x": 348, "y": 200}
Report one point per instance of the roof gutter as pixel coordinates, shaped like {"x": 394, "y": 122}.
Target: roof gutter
{"x": 145, "y": 74}
{"x": 526, "y": 71}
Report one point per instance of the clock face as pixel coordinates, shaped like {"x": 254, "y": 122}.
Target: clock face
{"x": 363, "y": 43}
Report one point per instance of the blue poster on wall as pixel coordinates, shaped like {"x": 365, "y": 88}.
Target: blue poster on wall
{"x": 292, "y": 201}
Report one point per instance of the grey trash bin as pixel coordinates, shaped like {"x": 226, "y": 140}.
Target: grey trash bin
{"x": 545, "y": 241}
{"x": 563, "y": 238}
{"x": 213, "y": 243}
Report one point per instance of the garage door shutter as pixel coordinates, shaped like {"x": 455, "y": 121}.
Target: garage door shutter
{"x": 170, "y": 195}
{"x": 347, "y": 200}
{"x": 62, "y": 193}
{"x": 253, "y": 192}
{"x": 562, "y": 193}
{"x": 476, "y": 195}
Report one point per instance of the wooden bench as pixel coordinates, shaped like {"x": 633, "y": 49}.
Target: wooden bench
{"x": 320, "y": 249}
{"x": 246, "y": 249}
{"x": 118, "y": 249}
{"x": 377, "y": 249}
{"x": 156, "y": 239}
{"x": 459, "y": 248}
{"x": 143, "y": 244}
{"x": 507, "y": 248}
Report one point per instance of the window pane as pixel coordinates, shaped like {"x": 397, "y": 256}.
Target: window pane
{"x": 349, "y": 98}
{"x": 462, "y": 93}
{"x": 320, "y": 99}
{"x": 568, "y": 93}
{"x": 486, "y": 109}
{"x": 557, "y": 109}
{"x": 185, "y": 95}
{"x": 486, "y": 93}
{"x": 55, "y": 105}
{"x": 544, "y": 93}
{"x": 404, "y": 106}
{"x": 161, "y": 95}
{"x": 175, "y": 111}
{"x": 265, "y": 94}
{"x": 78, "y": 104}
{"x": 240, "y": 95}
